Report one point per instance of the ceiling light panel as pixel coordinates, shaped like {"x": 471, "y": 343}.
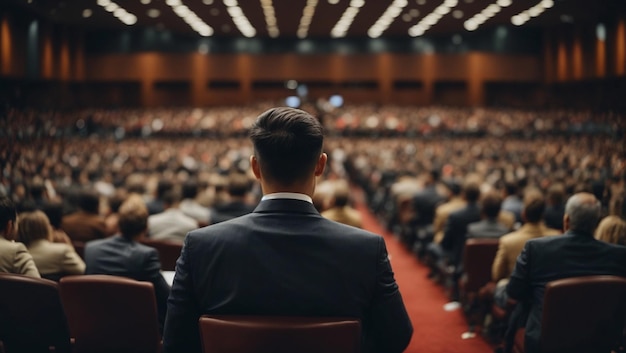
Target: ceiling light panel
{"x": 488, "y": 12}
{"x": 387, "y": 18}
{"x": 190, "y": 18}
{"x": 270, "y": 18}
{"x": 432, "y": 18}
{"x": 240, "y": 20}
{"x": 344, "y": 23}
{"x": 532, "y": 12}
{"x": 119, "y": 12}
{"x": 307, "y": 17}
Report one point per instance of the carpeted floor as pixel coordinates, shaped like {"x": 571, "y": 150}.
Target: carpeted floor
{"x": 435, "y": 330}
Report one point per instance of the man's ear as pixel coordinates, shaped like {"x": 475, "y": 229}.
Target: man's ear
{"x": 565, "y": 223}
{"x": 321, "y": 164}
{"x": 256, "y": 169}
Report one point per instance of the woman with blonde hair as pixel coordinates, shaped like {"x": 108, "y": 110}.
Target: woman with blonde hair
{"x": 53, "y": 260}
{"x": 612, "y": 229}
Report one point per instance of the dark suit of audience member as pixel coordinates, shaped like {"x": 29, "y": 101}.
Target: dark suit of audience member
{"x": 238, "y": 188}
{"x": 123, "y": 256}
{"x": 284, "y": 259}
{"x": 14, "y": 258}
{"x": 489, "y": 227}
{"x": 455, "y": 230}
{"x": 85, "y": 224}
{"x": 555, "y": 208}
{"x": 425, "y": 205}
{"x": 156, "y": 205}
{"x": 512, "y": 201}
{"x": 576, "y": 253}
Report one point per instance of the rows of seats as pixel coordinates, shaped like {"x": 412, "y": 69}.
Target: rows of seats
{"x": 98, "y": 313}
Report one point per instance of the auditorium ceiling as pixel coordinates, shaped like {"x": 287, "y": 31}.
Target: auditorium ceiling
{"x": 321, "y": 18}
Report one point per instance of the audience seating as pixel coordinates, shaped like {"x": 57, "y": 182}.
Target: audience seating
{"x": 260, "y": 334}
{"x": 582, "y": 314}
{"x": 31, "y": 315}
{"x": 478, "y": 257}
{"x": 110, "y": 314}
{"x": 168, "y": 252}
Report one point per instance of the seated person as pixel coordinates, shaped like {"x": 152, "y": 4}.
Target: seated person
{"x": 236, "y": 206}
{"x": 612, "y": 229}
{"x": 341, "y": 211}
{"x": 123, "y": 255}
{"x": 53, "y": 260}
{"x": 489, "y": 226}
{"x": 171, "y": 224}
{"x": 14, "y": 258}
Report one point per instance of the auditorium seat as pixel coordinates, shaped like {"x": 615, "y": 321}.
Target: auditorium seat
{"x": 168, "y": 252}
{"x": 477, "y": 260}
{"x": 260, "y": 334}
{"x": 79, "y": 247}
{"x": 31, "y": 315}
{"x": 582, "y": 314}
{"x": 110, "y": 314}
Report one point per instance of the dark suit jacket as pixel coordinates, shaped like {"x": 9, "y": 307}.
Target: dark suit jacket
{"x": 550, "y": 258}
{"x": 230, "y": 210}
{"x": 425, "y": 203}
{"x": 455, "y": 231}
{"x": 285, "y": 259}
{"x": 487, "y": 228}
{"x": 118, "y": 256}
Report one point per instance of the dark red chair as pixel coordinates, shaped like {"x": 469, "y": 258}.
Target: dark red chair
{"x": 31, "y": 315}
{"x": 261, "y": 334}
{"x": 110, "y": 314}
{"x": 478, "y": 258}
{"x": 168, "y": 252}
{"x": 581, "y": 314}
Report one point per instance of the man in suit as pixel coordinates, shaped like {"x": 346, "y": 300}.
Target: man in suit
{"x": 341, "y": 211}
{"x": 14, "y": 258}
{"x": 122, "y": 255}
{"x": 489, "y": 226}
{"x": 85, "y": 224}
{"x": 285, "y": 259}
{"x": 576, "y": 253}
{"x": 236, "y": 206}
{"x": 172, "y": 224}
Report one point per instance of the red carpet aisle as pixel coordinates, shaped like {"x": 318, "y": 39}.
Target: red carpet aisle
{"x": 435, "y": 330}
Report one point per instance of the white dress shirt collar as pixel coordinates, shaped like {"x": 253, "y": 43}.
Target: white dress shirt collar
{"x": 287, "y": 195}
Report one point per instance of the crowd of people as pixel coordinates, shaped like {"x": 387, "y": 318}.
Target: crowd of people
{"x": 434, "y": 176}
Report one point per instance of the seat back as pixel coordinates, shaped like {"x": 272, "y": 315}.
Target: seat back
{"x": 257, "y": 334}
{"x": 583, "y": 314}
{"x": 168, "y": 252}
{"x": 477, "y": 260}
{"x": 110, "y": 314}
{"x": 31, "y": 315}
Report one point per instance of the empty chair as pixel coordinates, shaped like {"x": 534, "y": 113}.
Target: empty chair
{"x": 31, "y": 315}
{"x": 110, "y": 314}
{"x": 260, "y": 334}
{"x": 581, "y": 314}
{"x": 168, "y": 252}
{"x": 477, "y": 260}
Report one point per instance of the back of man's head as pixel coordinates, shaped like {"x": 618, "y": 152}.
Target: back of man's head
{"x": 582, "y": 213}
{"x": 534, "y": 206}
{"x": 8, "y": 212}
{"x": 491, "y": 204}
{"x": 190, "y": 190}
{"x": 471, "y": 191}
{"x": 238, "y": 185}
{"x": 133, "y": 217}
{"x": 287, "y": 144}
{"x": 89, "y": 201}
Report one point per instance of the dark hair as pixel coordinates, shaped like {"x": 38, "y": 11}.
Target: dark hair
{"x": 533, "y": 209}
{"x": 37, "y": 190}
{"x": 7, "y": 212}
{"x": 171, "y": 197}
{"x": 491, "y": 205}
{"x": 510, "y": 187}
{"x": 163, "y": 187}
{"x": 54, "y": 211}
{"x": 89, "y": 201}
{"x": 116, "y": 201}
{"x": 190, "y": 189}
{"x": 471, "y": 191}
{"x": 454, "y": 187}
{"x": 238, "y": 184}
{"x": 556, "y": 194}
{"x": 287, "y": 144}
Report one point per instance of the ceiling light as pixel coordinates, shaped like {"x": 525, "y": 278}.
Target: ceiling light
{"x": 117, "y": 11}
{"x": 433, "y": 18}
{"x": 207, "y": 2}
{"x": 186, "y": 15}
{"x": 516, "y": 20}
{"x": 103, "y": 3}
{"x": 547, "y": 3}
{"x": 238, "y": 17}
{"x": 504, "y": 3}
{"x": 146, "y": 2}
{"x": 333, "y": 2}
{"x": 87, "y": 13}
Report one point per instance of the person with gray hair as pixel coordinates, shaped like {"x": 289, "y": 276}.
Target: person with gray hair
{"x": 573, "y": 254}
